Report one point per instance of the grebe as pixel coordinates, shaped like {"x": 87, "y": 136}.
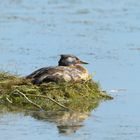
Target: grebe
{"x": 68, "y": 70}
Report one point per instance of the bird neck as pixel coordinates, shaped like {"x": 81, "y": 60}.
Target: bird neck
{"x": 80, "y": 68}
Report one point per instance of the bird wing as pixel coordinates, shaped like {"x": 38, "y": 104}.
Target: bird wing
{"x": 38, "y": 72}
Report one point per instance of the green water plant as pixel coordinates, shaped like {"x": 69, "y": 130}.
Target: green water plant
{"x": 16, "y": 91}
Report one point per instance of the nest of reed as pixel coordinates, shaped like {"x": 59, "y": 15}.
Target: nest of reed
{"x": 19, "y": 92}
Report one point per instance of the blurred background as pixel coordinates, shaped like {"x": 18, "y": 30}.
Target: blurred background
{"x": 104, "y": 33}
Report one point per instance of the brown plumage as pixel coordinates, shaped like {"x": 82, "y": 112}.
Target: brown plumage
{"x": 69, "y": 69}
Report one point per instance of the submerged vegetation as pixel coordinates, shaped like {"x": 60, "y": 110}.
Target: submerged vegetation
{"x": 21, "y": 93}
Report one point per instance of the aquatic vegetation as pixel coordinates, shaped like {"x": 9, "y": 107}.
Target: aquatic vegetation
{"x": 19, "y": 92}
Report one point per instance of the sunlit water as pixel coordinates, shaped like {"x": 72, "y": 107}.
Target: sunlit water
{"x": 103, "y": 32}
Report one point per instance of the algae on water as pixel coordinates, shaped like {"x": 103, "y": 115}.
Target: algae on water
{"x": 21, "y": 93}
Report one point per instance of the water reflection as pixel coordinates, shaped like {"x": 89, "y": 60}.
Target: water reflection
{"x": 66, "y": 122}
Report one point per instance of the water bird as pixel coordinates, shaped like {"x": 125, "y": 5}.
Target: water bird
{"x": 69, "y": 69}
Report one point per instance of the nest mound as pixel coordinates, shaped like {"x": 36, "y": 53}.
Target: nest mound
{"x": 21, "y": 93}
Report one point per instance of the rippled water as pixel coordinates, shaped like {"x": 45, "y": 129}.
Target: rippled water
{"x": 103, "y": 32}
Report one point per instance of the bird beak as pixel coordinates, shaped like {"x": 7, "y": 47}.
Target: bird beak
{"x": 82, "y": 62}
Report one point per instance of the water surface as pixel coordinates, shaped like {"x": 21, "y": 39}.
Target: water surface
{"x": 104, "y": 33}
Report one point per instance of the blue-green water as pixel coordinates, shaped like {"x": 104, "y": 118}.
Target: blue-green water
{"x": 104, "y": 33}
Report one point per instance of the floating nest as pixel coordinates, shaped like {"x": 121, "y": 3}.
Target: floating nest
{"x": 21, "y": 93}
